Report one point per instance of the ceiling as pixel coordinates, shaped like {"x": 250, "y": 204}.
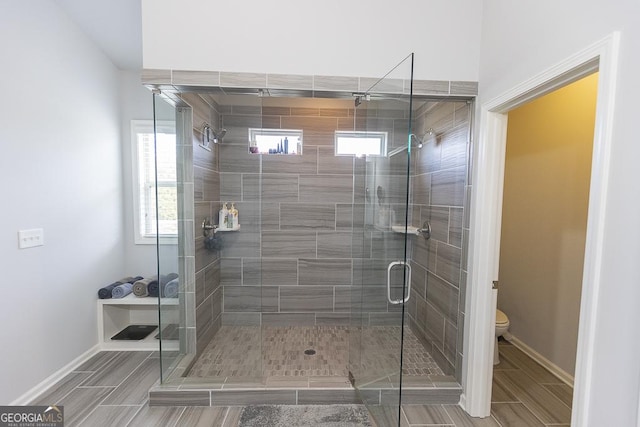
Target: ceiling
{"x": 114, "y": 25}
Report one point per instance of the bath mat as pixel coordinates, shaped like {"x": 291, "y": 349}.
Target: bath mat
{"x": 134, "y": 332}
{"x": 305, "y": 416}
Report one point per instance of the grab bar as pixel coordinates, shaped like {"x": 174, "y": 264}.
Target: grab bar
{"x": 408, "y": 268}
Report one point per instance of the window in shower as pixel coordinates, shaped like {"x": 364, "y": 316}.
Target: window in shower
{"x": 361, "y": 143}
{"x": 144, "y": 160}
{"x": 275, "y": 141}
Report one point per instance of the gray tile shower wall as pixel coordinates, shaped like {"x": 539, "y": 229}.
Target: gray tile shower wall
{"x": 206, "y": 197}
{"x": 302, "y": 245}
{"x": 440, "y": 189}
{"x": 298, "y": 84}
{"x": 186, "y": 250}
{"x": 301, "y": 250}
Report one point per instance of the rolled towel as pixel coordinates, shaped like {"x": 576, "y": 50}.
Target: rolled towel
{"x": 167, "y": 278}
{"x": 140, "y": 286}
{"x": 171, "y": 289}
{"x": 106, "y": 292}
{"x": 122, "y": 290}
{"x": 153, "y": 288}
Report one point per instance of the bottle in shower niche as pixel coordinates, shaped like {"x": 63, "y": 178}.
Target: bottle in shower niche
{"x": 286, "y": 145}
{"x": 233, "y": 216}
{"x": 223, "y": 217}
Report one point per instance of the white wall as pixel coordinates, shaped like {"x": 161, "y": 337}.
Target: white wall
{"x": 136, "y": 104}
{"x": 522, "y": 39}
{"x": 60, "y": 166}
{"x": 332, "y": 37}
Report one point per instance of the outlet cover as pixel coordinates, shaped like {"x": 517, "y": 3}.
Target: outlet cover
{"x": 30, "y": 238}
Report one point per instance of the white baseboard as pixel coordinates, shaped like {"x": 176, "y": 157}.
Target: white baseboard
{"x": 36, "y": 391}
{"x": 562, "y": 375}
{"x": 463, "y": 401}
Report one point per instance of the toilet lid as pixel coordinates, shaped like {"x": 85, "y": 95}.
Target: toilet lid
{"x": 501, "y": 318}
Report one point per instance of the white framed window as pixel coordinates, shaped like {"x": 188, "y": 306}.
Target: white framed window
{"x": 143, "y": 155}
{"x": 275, "y": 141}
{"x": 359, "y": 143}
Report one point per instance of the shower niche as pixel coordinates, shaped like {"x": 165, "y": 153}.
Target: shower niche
{"x": 301, "y": 305}
{"x": 275, "y": 141}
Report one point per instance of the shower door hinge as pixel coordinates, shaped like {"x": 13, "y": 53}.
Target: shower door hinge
{"x": 360, "y": 97}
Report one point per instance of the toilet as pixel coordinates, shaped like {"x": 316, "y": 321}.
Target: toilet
{"x": 502, "y": 330}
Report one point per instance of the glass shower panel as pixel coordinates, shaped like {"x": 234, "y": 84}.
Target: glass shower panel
{"x": 211, "y": 328}
{"x": 169, "y": 227}
{"x": 228, "y": 299}
{"x": 381, "y": 284}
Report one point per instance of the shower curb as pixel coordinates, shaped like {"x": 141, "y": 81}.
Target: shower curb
{"x": 172, "y": 396}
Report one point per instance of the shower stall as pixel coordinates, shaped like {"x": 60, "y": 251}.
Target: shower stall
{"x": 344, "y": 280}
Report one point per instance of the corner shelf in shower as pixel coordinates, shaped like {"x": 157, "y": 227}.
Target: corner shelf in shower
{"x": 405, "y": 230}
{"x": 208, "y": 227}
{"x": 236, "y": 228}
{"x": 398, "y": 229}
{"x": 117, "y": 313}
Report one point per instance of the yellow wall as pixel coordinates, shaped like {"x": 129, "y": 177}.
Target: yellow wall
{"x": 544, "y": 217}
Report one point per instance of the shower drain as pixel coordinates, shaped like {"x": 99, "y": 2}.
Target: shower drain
{"x": 310, "y": 352}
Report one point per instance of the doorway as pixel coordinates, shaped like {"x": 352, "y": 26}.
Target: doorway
{"x": 543, "y": 232}
{"x": 486, "y": 204}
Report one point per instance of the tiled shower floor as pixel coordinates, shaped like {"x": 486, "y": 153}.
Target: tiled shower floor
{"x": 276, "y": 352}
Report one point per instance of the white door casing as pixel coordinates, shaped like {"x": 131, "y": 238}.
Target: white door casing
{"x": 486, "y": 213}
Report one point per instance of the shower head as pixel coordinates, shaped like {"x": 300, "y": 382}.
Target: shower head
{"x": 217, "y": 136}
{"x": 426, "y": 137}
{"x": 420, "y": 143}
{"x": 209, "y": 135}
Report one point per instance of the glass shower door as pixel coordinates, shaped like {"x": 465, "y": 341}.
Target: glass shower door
{"x": 382, "y": 274}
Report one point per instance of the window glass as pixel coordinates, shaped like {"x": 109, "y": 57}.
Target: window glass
{"x": 361, "y": 143}
{"x": 144, "y": 186}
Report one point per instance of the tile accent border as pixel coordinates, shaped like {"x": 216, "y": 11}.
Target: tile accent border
{"x": 218, "y": 81}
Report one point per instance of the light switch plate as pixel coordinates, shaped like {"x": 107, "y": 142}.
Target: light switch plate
{"x": 30, "y": 238}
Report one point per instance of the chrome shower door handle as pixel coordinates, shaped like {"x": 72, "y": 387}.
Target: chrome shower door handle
{"x": 406, "y": 266}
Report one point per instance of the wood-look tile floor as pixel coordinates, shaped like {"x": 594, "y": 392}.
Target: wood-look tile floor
{"x": 111, "y": 388}
{"x": 526, "y": 394}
